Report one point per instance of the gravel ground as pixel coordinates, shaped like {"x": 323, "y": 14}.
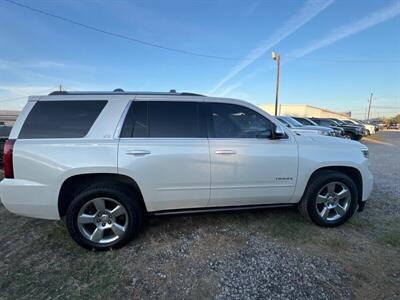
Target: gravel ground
{"x": 270, "y": 254}
{"x": 385, "y": 149}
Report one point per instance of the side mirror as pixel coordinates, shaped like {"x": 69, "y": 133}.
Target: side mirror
{"x": 278, "y": 132}
{"x": 267, "y": 134}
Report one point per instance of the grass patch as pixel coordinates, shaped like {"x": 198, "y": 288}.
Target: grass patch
{"x": 288, "y": 226}
{"x": 360, "y": 223}
{"x": 391, "y": 237}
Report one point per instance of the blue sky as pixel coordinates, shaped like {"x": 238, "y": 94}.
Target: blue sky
{"x": 333, "y": 53}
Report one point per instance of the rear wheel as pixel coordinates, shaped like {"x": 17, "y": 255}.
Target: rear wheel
{"x": 358, "y": 137}
{"x": 330, "y": 199}
{"x": 350, "y": 135}
{"x": 103, "y": 217}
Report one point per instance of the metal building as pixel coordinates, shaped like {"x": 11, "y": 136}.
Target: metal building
{"x": 303, "y": 110}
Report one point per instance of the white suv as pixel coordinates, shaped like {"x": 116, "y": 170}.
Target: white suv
{"x": 105, "y": 160}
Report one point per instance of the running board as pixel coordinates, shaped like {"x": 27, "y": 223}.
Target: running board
{"x": 219, "y": 209}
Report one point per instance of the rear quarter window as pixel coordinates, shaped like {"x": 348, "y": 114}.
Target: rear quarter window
{"x": 61, "y": 119}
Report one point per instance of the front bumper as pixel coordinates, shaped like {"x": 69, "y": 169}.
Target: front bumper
{"x": 367, "y": 180}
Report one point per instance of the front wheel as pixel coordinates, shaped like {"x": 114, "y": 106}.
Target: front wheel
{"x": 103, "y": 217}
{"x": 349, "y": 135}
{"x": 330, "y": 199}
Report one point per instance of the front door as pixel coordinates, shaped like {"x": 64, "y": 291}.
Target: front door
{"x": 246, "y": 167}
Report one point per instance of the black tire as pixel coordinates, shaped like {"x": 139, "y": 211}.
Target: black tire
{"x": 368, "y": 132}
{"x": 350, "y": 135}
{"x": 133, "y": 213}
{"x": 308, "y": 206}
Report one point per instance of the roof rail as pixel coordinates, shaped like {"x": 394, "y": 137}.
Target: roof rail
{"x": 58, "y": 93}
{"x": 122, "y": 92}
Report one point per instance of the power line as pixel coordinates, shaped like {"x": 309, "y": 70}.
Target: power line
{"x": 13, "y": 99}
{"x": 181, "y": 51}
{"x": 387, "y": 107}
{"x": 125, "y": 37}
{"x": 26, "y": 95}
{"x": 334, "y": 60}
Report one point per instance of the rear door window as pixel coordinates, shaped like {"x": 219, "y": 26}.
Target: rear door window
{"x": 163, "y": 119}
{"x": 136, "y": 124}
{"x": 61, "y": 119}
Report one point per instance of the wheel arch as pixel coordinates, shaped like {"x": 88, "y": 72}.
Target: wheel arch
{"x": 352, "y": 172}
{"x": 77, "y": 183}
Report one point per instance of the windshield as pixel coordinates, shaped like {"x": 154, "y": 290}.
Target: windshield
{"x": 283, "y": 121}
{"x": 309, "y": 122}
{"x": 340, "y": 123}
{"x": 305, "y": 121}
{"x": 292, "y": 122}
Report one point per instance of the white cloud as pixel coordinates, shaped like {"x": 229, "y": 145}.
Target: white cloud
{"x": 308, "y": 11}
{"x": 40, "y": 64}
{"x": 234, "y": 86}
{"x": 252, "y": 8}
{"x": 341, "y": 32}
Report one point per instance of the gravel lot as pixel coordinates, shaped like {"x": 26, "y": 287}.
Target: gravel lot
{"x": 271, "y": 254}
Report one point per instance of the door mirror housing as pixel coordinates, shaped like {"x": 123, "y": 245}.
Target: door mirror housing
{"x": 267, "y": 134}
{"x": 278, "y": 132}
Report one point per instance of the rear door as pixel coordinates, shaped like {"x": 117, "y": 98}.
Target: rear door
{"x": 246, "y": 168}
{"x": 163, "y": 146}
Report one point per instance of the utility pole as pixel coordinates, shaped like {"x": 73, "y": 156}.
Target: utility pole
{"x": 277, "y": 58}
{"x": 369, "y": 105}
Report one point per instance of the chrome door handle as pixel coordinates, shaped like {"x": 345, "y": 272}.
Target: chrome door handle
{"x": 138, "y": 152}
{"x": 225, "y": 152}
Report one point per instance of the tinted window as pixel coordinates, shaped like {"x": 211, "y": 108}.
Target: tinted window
{"x": 235, "y": 121}
{"x": 136, "y": 124}
{"x": 61, "y": 119}
{"x": 163, "y": 119}
{"x": 326, "y": 123}
{"x": 304, "y": 121}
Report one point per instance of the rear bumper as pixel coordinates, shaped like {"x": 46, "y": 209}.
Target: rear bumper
{"x": 28, "y": 198}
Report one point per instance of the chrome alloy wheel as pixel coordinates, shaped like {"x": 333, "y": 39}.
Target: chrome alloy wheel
{"x": 333, "y": 201}
{"x": 102, "y": 220}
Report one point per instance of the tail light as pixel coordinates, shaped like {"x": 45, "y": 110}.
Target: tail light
{"x": 8, "y": 159}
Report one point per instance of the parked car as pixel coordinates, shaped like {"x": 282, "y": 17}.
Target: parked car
{"x": 374, "y": 123}
{"x": 339, "y": 132}
{"x": 369, "y": 129}
{"x": 4, "y": 133}
{"x": 350, "y": 132}
{"x": 381, "y": 125}
{"x": 367, "y": 124}
{"x": 393, "y": 126}
{"x": 303, "y": 129}
{"x": 104, "y": 161}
